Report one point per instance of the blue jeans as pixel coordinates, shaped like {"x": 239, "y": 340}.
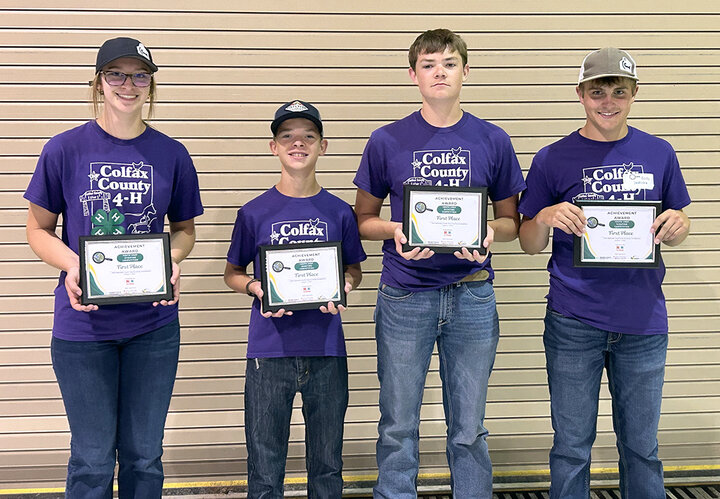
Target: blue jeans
{"x": 116, "y": 395}
{"x": 463, "y": 320}
{"x": 270, "y": 387}
{"x": 576, "y": 354}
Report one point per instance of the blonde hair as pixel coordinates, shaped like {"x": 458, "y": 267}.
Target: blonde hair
{"x": 97, "y": 98}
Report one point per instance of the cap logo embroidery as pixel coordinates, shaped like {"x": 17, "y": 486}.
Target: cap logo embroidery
{"x": 296, "y": 107}
{"x": 143, "y": 51}
{"x": 625, "y": 65}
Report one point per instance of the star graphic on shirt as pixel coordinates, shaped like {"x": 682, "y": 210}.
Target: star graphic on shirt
{"x": 94, "y": 176}
{"x": 275, "y": 236}
{"x": 586, "y": 180}
{"x": 416, "y": 164}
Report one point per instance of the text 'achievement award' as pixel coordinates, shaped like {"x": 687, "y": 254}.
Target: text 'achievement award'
{"x": 125, "y": 268}
{"x": 618, "y": 234}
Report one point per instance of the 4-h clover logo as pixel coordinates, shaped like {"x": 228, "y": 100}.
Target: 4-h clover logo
{"x": 107, "y": 224}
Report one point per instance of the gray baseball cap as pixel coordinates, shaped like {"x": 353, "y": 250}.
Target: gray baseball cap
{"x": 607, "y": 61}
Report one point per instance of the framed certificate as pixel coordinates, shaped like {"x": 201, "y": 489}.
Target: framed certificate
{"x": 618, "y": 234}
{"x": 301, "y": 276}
{"x": 125, "y": 268}
{"x": 445, "y": 219}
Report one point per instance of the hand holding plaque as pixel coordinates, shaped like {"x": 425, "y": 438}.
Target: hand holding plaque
{"x": 175, "y": 283}
{"x": 445, "y": 219}
{"x": 400, "y": 239}
{"x": 618, "y": 234}
{"x": 74, "y": 292}
{"x": 330, "y": 308}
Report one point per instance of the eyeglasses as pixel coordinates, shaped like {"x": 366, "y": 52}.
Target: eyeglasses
{"x": 116, "y": 78}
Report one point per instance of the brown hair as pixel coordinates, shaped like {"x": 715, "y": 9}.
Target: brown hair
{"x": 609, "y": 81}
{"x": 96, "y": 95}
{"x": 437, "y": 40}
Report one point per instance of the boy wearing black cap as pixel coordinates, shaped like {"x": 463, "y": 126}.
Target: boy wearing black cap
{"x": 602, "y": 317}
{"x": 301, "y": 351}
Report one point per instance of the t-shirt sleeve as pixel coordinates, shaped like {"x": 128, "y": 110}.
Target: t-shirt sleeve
{"x": 185, "y": 201}
{"x": 537, "y": 194}
{"x": 45, "y": 188}
{"x": 371, "y": 175}
{"x": 242, "y": 243}
{"x": 352, "y": 249}
{"x": 675, "y": 195}
{"x": 508, "y": 178}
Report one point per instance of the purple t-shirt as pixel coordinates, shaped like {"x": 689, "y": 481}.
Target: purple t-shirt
{"x": 273, "y": 218}
{"x": 470, "y": 153}
{"x": 623, "y": 300}
{"x": 104, "y": 185}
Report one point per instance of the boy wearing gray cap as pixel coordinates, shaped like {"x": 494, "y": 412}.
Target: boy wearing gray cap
{"x": 611, "y": 316}
{"x": 294, "y": 351}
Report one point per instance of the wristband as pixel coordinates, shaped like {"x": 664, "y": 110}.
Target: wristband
{"x": 247, "y": 287}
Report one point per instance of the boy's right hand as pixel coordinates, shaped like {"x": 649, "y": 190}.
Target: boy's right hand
{"x": 415, "y": 253}
{"x": 565, "y": 216}
{"x": 256, "y": 289}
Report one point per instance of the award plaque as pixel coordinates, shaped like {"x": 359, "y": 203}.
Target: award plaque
{"x": 125, "y": 268}
{"x": 445, "y": 219}
{"x": 617, "y": 234}
{"x": 301, "y": 276}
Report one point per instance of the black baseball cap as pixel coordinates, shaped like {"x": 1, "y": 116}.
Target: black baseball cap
{"x": 296, "y": 109}
{"x": 116, "y": 48}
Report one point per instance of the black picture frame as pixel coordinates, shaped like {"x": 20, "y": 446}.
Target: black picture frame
{"x": 578, "y": 245}
{"x": 266, "y": 255}
{"x": 86, "y": 279}
{"x": 407, "y": 210}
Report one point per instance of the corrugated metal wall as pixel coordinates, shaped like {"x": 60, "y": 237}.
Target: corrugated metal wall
{"x": 225, "y": 67}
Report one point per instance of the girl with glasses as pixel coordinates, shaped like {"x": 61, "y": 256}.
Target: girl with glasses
{"x": 115, "y": 364}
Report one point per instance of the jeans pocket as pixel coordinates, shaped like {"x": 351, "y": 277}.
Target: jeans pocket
{"x": 483, "y": 292}
{"x": 556, "y": 314}
{"x": 393, "y": 293}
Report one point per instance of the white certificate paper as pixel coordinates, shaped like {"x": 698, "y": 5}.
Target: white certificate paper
{"x": 618, "y": 234}
{"x": 302, "y": 275}
{"x": 124, "y": 268}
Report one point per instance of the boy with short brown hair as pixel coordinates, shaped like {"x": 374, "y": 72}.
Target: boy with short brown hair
{"x": 426, "y": 299}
